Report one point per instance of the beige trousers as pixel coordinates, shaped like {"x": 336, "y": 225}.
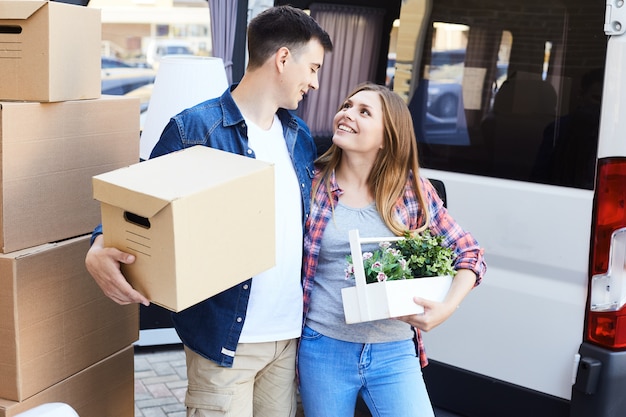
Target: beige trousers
{"x": 261, "y": 382}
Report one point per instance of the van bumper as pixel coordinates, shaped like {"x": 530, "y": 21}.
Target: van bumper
{"x": 600, "y": 381}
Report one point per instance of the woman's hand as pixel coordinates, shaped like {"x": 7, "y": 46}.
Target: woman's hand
{"x": 435, "y": 312}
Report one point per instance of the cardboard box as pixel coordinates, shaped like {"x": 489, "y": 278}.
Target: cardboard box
{"x": 105, "y": 389}
{"x": 383, "y": 300}
{"x": 199, "y": 221}
{"x": 50, "y": 151}
{"x": 50, "y": 52}
{"x": 54, "y": 319}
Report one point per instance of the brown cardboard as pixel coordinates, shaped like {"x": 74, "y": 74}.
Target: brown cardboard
{"x": 54, "y": 319}
{"x": 50, "y": 151}
{"x": 50, "y": 51}
{"x": 105, "y": 389}
{"x": 208, "y": 222}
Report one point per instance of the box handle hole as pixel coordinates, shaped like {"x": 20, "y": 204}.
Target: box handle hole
{"x": 137, "y": 219}
{"x": 11, "y": 29}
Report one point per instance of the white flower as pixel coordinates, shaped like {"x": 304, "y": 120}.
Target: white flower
{"x": 404, "y": 264}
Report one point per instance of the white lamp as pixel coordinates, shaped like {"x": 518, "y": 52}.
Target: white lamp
{"x": 50, "y": 410}
{"x": 181, "y": 82}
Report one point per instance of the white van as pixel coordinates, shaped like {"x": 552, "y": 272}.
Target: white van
{"x": 534, "y": 164}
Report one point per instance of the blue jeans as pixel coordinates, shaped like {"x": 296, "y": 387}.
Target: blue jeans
{"x": 333, "y": 373}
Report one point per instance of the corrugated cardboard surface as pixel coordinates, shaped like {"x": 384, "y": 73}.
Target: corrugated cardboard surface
{"x": 54, "y": 319}
{"x": 105, "y": 389}
{"x": 51, "y": 51}
{"x": 211, "y": 222}
{"x": 50, "y": 152}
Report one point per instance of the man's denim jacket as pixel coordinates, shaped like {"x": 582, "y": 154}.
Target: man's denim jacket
{"x": 212, "y": 327}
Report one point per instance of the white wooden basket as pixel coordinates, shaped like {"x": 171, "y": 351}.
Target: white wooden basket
{"x": 382, "y": 300}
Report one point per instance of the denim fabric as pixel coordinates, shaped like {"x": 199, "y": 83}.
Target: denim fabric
{"x": 333, "y": 373}
{"x": 212, "y": 327}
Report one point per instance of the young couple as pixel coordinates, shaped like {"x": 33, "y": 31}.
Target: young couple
{"x": 241, "y": 344}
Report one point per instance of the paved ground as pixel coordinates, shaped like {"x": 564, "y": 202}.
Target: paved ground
{"x": 161, "y": 382}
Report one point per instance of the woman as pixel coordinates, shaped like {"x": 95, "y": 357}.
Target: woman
{"x": 369, "y": 180}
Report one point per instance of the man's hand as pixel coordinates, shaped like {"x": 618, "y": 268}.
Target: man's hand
{"x": 104, "y": 266}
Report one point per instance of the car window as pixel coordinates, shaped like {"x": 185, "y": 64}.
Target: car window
{"x": 496, "y": 99}
{"x": 113, "y": 63}
{"x": 178, "y": 50}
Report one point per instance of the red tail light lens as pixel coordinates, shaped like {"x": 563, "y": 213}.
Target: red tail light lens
{"x": 607, "y": 329}
{"x": 610, "y": 210}
{"x": 606, "y": 325}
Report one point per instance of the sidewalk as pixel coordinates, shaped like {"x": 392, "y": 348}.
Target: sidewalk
{"x": 160, "y": 381}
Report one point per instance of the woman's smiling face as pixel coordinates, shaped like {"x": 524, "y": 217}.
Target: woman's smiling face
{"x": 358, "y": 125}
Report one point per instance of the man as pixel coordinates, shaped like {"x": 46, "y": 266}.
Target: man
{"x": 240, "y": 345}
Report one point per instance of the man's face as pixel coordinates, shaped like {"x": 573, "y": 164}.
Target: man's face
{"x": 300, "y": 74}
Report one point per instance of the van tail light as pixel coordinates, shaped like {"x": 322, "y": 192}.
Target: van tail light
{"x": 606, "y": 319}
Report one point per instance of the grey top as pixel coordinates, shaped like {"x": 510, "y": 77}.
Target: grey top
{"x": 326, "y": 310}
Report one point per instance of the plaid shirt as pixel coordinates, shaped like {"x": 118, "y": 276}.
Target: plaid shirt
{"x": 468, "y": 254}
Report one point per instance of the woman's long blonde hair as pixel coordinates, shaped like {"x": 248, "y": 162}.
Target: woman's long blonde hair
{"x": 394, "y": 164}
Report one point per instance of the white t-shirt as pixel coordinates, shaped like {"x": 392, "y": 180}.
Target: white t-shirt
{"x": 275, "y": 307}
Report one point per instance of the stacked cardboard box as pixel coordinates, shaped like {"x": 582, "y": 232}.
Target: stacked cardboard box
{"x": 61, "y": 338}
{"x": 48, "y": 52}
{"x": 54, "y": 319}
{"x": 50, "y": 151}
{"x": 105, "y": 389}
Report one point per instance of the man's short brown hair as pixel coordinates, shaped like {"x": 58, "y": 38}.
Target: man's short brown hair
{"x": 282, "y": 26}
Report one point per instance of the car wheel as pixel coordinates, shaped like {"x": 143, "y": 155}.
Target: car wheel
{"x": 447, "y": 106}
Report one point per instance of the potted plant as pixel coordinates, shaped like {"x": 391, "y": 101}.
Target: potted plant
{"x": 387, "y": 279}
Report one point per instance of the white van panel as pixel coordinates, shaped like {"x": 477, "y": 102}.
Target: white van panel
{"x": 531, "y": 304}
{"x": 613, "y": 124}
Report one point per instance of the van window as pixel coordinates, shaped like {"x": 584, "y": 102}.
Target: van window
{"x": 498, "y": 97}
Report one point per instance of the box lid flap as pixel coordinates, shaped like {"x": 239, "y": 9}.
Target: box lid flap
{"x": 150, "y": 185}
{"x": 128, "y": 199}
{"x": 19, "y": 9}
